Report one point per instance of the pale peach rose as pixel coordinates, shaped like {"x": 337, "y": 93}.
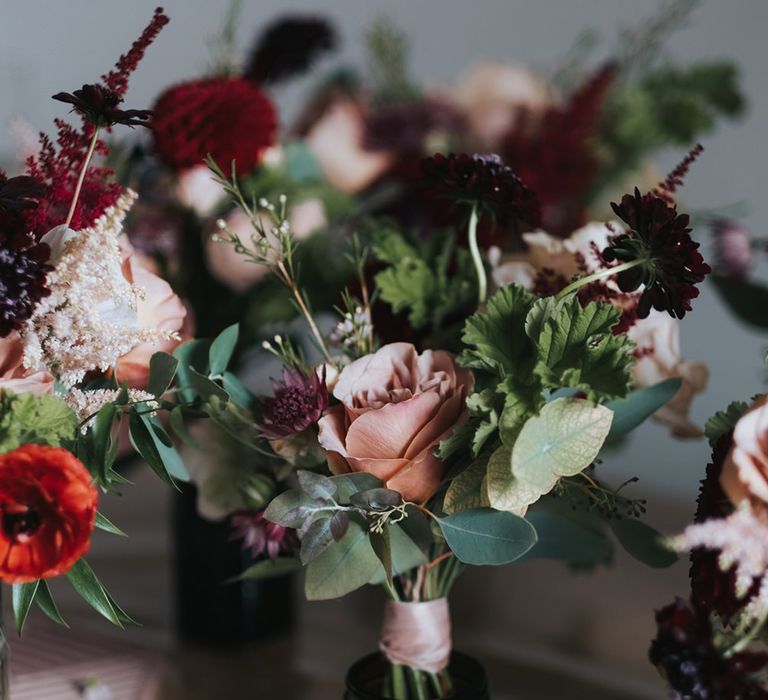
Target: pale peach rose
{"x": 658, "y": 341}
{"x": 159, "y": 307}
{"x": 336, "y": 142}
{"x": 197, "y": 189}
{"x": 17, "y": 378}
{"x": 493, "y": 95}
{"x": 745, "y": 472}
{"x": 396, "y": 406}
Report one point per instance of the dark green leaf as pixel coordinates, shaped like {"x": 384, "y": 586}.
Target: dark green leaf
{"x": 316, "y": 539}
{"x": 378, "y": 499}
{"x": 222, "y": 348}
{"x": 104, "y": 524}
{"x": 237, "y": 390}
{"x": 643, "y": 542}
{"x": 484, "y": 536}
{"x": 630, "y": 412}
{"x": 164, "y": 461}
{"x": 46, "y": 603}
{"x": 382, "y": 545}
{"x": 192, "y": 355}
{"x": 748, "y": 300}
{"x": 179, "y": 427}
{"x": 89, "y": 587}
{"x": 269, "y": 568}
{"x": 339, "y": 524}
{"x": 316, "y": 485}
{"x": 562, "y": 538}
{"x": 349, "y": 484}
{"x": 23, "y": 597}
{"x": 206, "y": 387}
{"x": 162, "y": 370}
{"x": 292, "y": 508}
{"x": 405, "y": 554}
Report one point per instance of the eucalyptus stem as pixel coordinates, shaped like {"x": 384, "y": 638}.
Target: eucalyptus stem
{"x": 399, "y": 686}
{"x": 81, "y": 179}
{"x": 600, "y": 274}
{"x": 418, "y": 682}
{"x": 477, "y": 260}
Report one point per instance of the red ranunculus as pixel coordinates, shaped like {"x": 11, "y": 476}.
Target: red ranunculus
{"x": 47, "y": 512}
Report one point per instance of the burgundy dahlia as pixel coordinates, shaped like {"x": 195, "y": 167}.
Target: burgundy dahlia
{"x": 22, "y": 285}
{"x": 100, "y": 107}
{"x": 685, "y": 654}
{"x": 288, "y": 47}
{"x": 261, "y": 536}
{"x": 298, "y": 403}
{"x": 669, "y": 262}
{"x": 228, "y": 118}
{"x": 484, "y": 181}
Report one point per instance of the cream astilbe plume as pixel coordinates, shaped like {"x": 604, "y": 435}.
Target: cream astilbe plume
{"x": 89, "y": 319}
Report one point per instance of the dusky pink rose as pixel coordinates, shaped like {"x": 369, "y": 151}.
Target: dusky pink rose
{"x": 745, "y": 472}
{"x": 396, "y": 406}
{"x": 336, "y": 142}
{"x": 17, "y": 378}
{"x": 159, "y": 308}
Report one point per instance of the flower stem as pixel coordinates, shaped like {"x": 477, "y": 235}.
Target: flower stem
{"x": 399, "y": 687}
{"x": 600, "y": 274}
{"x": 482, "y": 280}
{"x": 81, "y": 179}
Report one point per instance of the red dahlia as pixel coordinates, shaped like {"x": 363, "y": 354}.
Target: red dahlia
{"x": 47, "y": 512}
{"x": 230, "y": 118}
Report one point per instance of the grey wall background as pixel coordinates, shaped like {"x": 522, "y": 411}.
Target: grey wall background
{"x": 50, "y": 45}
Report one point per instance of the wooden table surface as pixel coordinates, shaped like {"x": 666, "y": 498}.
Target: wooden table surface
{"x": 540, "y": 632}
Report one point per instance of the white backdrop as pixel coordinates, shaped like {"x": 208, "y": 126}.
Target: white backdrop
{"x": 51, "y": 45}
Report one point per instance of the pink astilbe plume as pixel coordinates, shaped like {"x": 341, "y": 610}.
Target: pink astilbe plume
{"x": 59, "y": 161}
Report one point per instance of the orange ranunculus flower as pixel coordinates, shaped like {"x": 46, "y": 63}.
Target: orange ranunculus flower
{"x": 47, "y": 512}
{"x": 396, "y": 406}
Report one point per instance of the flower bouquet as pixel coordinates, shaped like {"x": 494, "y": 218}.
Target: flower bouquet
{"x": 408, "y": 466}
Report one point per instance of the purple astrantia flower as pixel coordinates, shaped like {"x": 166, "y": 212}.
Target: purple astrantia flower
{"x": 262, "y": 537}
{"x": 298, "y": 403}
{"x": 99, "y": 106}
{"x": 669, "y": 262}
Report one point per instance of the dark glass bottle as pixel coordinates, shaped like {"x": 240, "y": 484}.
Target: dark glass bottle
{"x": 210, "y": 611}
{"x": 365, "y": 679}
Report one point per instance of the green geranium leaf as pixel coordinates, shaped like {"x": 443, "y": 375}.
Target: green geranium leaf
{"x": 40, "y": 420}
{"x": 484, "y": 536}
{"x": 724, "y": 421}
{"x": 343, "y": 567}
{"x": 643, "y": 542}
{"x": 631, "y": 412}
{"x": 576, "y": 349}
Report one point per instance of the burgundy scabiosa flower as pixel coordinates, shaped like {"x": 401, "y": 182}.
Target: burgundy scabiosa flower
{"x": 262, "y": 537}
{"x": 685, "y": 654}
{"x": 298, "y": 403}
{"x": 288, "y": 47}
{"x": 18, "y": 193}
{"x": 22, "y": 285}
{"x": 668, "y": 262}
{"x": 100, "y": 106}
{"x": 483, "y": 181}
{"x": 228, "y": 118}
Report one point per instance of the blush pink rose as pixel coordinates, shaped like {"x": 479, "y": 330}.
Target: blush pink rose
{"x": 17, "y": 378}
{"x": 396, "y": 406}
{"x": 745, "y": 472}
{"x": 159, "y": 308}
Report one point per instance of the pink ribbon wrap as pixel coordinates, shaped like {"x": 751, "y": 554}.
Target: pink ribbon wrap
{"x": 417, "y": 634}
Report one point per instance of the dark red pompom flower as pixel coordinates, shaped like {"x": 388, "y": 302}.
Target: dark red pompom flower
{"x": 228, "y": 118}
{"x": 100, "y": 107}
{"x": 684, "y": 652}
{"x": 47, "y": 512}
{"x": 483, "y": 181}
{"x": 669, "y": 264}
{"x": 22, "y": 285}
{"x": 298, "y": 403}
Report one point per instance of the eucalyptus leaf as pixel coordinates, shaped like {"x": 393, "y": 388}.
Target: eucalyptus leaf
{"x": 468, "y": 489}
{"x": 316, "y": 539}
{"x": 349, "y": 484}
{"x": 342, "y": 568}
{"x": 292, "y": 508}
{"x": 562, "y": 538}
{"x": 484, "y": 536}
{"x": 630, "y": 412}
{"x": 222, "y": 348}
{"x": 382, "y": 545}
{"x": 643, "y": 542}
{"x": 339, "y": 524}
{"x": 405, "y": 553}
{"x": 316, "y": 485}
{"x": 377, "y": 500}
